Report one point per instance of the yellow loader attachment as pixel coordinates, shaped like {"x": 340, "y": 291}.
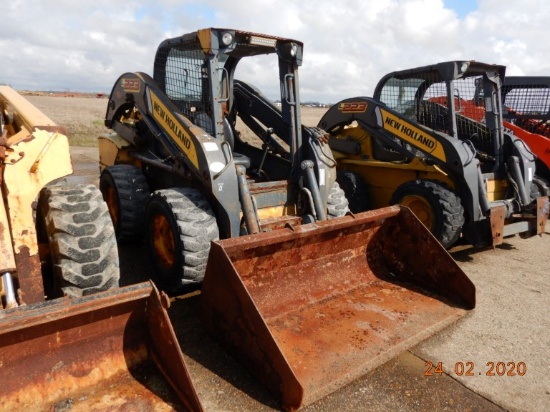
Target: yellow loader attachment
{"x": 311, "y": 308}
{"x": 86, "y": 353}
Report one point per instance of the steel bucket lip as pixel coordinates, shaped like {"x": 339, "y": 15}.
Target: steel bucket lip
{"x": 61, "y": 308}
{"x": 372, "y": 217}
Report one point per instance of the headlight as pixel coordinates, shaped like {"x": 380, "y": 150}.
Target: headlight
{"x": 227, "y": 38}
{"x": 288, "y": 51}
{"x": 293, "y": 49}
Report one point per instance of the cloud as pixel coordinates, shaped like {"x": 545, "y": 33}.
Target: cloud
{"x": 349, "y": 45}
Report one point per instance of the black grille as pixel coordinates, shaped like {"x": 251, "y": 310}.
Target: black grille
{"x": 183, "y": 75}
{"x": 424, "y": 99}
{"x": 527, "y": 101}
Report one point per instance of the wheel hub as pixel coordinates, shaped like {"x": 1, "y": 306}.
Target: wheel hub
{"x": 163, "y": 241}
{"x": 421, "y": 208}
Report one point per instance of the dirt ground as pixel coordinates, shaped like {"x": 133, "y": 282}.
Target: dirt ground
{"x": 507, "y": 334}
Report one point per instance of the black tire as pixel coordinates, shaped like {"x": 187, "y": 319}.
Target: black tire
{"x": 539, "y": 187}
{"x": 337, "y": 203}
{"x": 356, "y": 190}
{"x": 180, "y": 227}
{"x": 83, "y": 253}
{"x": 443, "y": 214}
{"x": 126, "y": 191}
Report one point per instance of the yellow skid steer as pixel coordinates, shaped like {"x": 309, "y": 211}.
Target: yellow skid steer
{"x": 69, "y": 336}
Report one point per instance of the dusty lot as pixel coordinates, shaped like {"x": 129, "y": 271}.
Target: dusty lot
{"x": 81, "y": 116}
{"x": 509, "y": 325}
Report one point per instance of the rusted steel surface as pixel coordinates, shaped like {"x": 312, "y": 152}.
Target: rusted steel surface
{"x": 497, "y": 224}
{"x": 311, "y": 309}
{"x": 29, "y": 275}
{"x": 543, "y": 208}
{"x": 66, "y": 350}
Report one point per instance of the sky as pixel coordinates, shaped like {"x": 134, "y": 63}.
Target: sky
{"x": 67, "y": 45}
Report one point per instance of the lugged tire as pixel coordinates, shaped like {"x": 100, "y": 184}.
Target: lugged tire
{"x": 355, "y": 189}
{"x": 445, "y": 208}
{"x": 337, "y": 203}
{"x": 180, "y": 227}
{"x": 83, "y": 251}
{"x": 126, "y": 191}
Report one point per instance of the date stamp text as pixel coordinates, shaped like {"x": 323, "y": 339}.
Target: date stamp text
{"x": 471, "y": 369}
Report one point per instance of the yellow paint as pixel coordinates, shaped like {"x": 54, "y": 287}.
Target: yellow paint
{"x": 7, "y": 259}
{"x": 496, "y": 189}
{"x": 113, "y": 149}
{"x": 412, "y": 134}
{"x": 173, "y": 126}
{"x": 383, "y": 178}
{"x": 35, "y": 156}
{"x": 276, "y": 211}
{"x": 26, "y": 114}
{"x": 24, "y": 177}
{"x": 205, "y": 40}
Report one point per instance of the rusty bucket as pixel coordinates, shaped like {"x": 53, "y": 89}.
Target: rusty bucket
{"x": 94, "y": 352}
{"x": 309, "y": 309}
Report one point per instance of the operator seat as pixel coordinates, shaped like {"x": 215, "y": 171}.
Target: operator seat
{"x": 229, "y": 135}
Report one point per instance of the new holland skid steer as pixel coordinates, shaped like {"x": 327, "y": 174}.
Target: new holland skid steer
{"x": 307, "y": 297}
{"x": 68, "y": 334}
{"x": 415, "y": 143}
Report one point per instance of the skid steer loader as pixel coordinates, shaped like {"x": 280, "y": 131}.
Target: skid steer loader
{"x": 417, "y": 143}
{"x": 67, "y": 332}
{"x": 526, "y": 113}
{"x": 526, "y": 101}
{"x": 232, "y": 193}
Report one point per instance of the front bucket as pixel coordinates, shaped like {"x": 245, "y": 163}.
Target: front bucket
{"x": 88, "y": 354}
{"x": 310, "y": 309}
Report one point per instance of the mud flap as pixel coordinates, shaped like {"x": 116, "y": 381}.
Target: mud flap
{"x": 69, "y": 351}
{"x": 310, "y": 309}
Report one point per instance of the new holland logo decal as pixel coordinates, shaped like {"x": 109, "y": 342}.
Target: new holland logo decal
{"x": 415, "y": 136}
{"x": 174, "y": 128}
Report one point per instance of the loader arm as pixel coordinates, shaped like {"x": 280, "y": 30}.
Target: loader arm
{"x": 253, "y": 107}
{"x": 192, "y": 152}
{"x": 35, "y": 152}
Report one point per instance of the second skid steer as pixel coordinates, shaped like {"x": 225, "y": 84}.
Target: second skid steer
{"x": 232, "y": 193}
{"x": 417, "y": 142}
